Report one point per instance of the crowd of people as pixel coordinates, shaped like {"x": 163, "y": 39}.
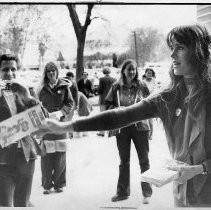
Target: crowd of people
{"x": 127, "y": 106}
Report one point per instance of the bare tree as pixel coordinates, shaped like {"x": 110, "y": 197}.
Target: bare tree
{"x": 144, "y": 44}
{"x": 80, "y": 31}
{"x": 43, "y": 42}
{"x": 21, "y": 21}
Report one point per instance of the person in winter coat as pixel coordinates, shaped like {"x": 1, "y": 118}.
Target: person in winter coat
{"x": 17, "y": 160}
{"x": 185, "y": 110}
{"x": 56, "y": 97}
{"x": 105, "y": 84}
{"x": 73, "y": 87}
{"x": 85, "y": 85}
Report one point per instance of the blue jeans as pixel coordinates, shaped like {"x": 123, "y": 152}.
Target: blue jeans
{"x": 140, "y": 140}
{"x": 16, "y": 181}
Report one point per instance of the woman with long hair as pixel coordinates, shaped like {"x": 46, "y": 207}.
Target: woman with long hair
{"x": 150, "y": 79}
{"x": 185, "y": 110}
{"x": 125, "y": 92}
{"x": 56, "y": 97}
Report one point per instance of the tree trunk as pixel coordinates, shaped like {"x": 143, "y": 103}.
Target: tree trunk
{"x": 40, "y": 62}
{"x": 80, "y": 32}
{"x": 80, "y": 58}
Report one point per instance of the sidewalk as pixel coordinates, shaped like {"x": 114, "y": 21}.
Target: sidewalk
{"x": 92, "y": 173}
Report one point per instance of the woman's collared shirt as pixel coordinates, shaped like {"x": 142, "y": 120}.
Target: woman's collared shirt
{"x": 128, "y": 94}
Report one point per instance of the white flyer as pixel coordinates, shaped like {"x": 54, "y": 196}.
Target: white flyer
{"x": 20, "y": 125}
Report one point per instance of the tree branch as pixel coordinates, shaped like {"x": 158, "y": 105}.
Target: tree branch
{"x": 88, "y": 16}
{"x": 94, "y": 18}
{"x": 75, "y": 20}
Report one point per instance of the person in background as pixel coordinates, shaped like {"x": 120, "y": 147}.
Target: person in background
{"x": 149, "y": 78}
{"x": 85, "y": 85}
{"x": 84, "y": 109}
{"x": 17, "y": 161}
{"x": 74, "y": 90}
{"x": 185, "y": 110}
{"x": 82, "y": 105}
{"x": 56, "y": 97}
{"x": 73, "y": 87}
{"x": 126, "y": 92}
{"x": 105, "y": 84}
{"x": 95, "y": 81}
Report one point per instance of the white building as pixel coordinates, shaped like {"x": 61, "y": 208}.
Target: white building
{"x": 204, "y": 15}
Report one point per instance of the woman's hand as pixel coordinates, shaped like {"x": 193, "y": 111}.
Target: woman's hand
{"x": 186, "y": 171}
{"x": 54, "y": 126}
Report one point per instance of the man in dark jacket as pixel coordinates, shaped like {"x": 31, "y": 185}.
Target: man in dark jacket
{"x": 17, "y": 161}
{"x": 105, "y": 84}
{"x": 85, "y": 85}
{"x": 73, "y": 87}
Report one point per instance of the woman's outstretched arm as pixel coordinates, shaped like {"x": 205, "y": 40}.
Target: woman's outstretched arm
{"x": 108, "y": 120}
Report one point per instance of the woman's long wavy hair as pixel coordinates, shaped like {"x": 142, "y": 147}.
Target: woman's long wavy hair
{"x": 197, "y": 39}
{"x": 136, "y": 80}
{"x": 124, "y": 65}
{"x": 149, "y": 69}
{"x": 45, "y": 79}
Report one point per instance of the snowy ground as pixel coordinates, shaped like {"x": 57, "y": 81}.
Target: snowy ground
{"x": 92, "y": 173}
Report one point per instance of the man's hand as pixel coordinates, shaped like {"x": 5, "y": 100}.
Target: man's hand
{"x": 21, "y": 91}
{"x": 2, "y": 86}
{"x": 55, "y": 115}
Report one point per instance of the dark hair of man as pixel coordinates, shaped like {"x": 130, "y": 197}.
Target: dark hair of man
{"x": 9, "y": 57}
{"x": 69, "y": 74}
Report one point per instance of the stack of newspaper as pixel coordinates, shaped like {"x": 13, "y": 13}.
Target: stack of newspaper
{"x": 161, "y": 175}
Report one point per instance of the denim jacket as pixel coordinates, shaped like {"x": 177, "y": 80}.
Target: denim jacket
{"x": 120, "y": 95}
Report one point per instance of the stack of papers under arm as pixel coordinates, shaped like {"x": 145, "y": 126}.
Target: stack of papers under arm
{"x": 159, "y": 177}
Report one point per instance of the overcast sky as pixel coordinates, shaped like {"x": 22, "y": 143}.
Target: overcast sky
{"x": 121, "y": 20}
